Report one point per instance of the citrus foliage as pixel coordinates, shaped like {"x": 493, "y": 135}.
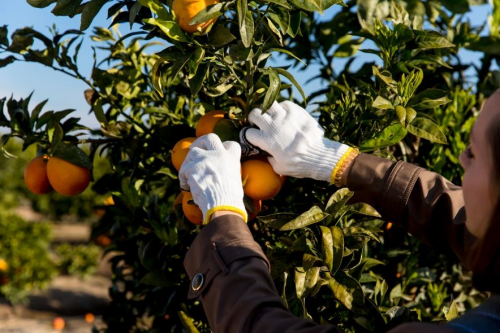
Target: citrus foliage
{"x": 333, "y": 262}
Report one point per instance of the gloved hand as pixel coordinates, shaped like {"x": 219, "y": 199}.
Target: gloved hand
{"x": 296, "y": 142}
{"x": 212, "y": 172}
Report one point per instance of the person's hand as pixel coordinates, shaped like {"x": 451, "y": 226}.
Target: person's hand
{"x": 212, "y": 172}
{"x": 296, "y": 142}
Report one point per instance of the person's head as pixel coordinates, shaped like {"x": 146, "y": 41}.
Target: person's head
{"x": 481, "y": 162}
{"x": 481, "y": 189}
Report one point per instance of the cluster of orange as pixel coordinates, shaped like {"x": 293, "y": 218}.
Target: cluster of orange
{"x": 260, "y": 182}
{"x": 44, "y": 174}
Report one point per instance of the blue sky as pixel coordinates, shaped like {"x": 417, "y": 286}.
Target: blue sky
{"x": 64, "y": 92}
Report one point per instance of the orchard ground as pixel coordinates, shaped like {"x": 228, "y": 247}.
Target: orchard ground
{"x": 68, "y": 297}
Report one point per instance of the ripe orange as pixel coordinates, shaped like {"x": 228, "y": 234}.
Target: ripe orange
{"x": 283, "y": 180}
{"x": 192, "y": 212}
{"x": 89, "y": 318}
{"x": 257, "y": 205}
{"x": 58, "y": 323}
{"x": 177, "y": 202}
{"x": 208, "y": 121}
{"x": 67, "y": 178}
{"x": 261, "y": 182}
{"x": 186, "y": 10}
{"x": 35, "y": 175}
{"x": 3, "y": 265}
{"x": 180, "y": 151}
{"x": 103, "y": 240}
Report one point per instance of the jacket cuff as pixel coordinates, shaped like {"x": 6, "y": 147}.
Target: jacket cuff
{"x": 382, "y": 183}
{"x": 224, "y": 240}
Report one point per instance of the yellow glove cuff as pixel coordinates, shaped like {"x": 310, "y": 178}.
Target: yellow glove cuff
{"x": 226, "y": 208}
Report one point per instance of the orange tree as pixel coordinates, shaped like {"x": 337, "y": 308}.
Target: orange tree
{"x": 332, "y": 262}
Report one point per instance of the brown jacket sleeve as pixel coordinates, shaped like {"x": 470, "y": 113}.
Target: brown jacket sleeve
{"x": 237, "y": 292}
{"x": 230, "y": 273}
{"x": 424, "y": 203}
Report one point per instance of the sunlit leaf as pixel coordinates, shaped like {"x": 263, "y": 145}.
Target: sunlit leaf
{"x": 313, "y": 215}
{"x": 426, "y": 129}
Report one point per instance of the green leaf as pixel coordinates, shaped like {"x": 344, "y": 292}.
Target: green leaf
{"x": 196, "y": 82}
{"x": 56, "y": 134}
{"x": 158, "y": 8}
{"x": 308, "y": 5}
{"x": 241, "y": 10}
{"x": 156, "y": 278}
{"x": 226, "y": 130}
{"x": 282, "y": 18}
{"x": 305, "y": 280}
{"x": 66, "y": 7}
{"x": 341, "y": 293}
{"x": 7, "y": 61}
{"x": 20, "y": 43}
{"x": 313, "y": 215}
{"x": 389, "y": 136}
{"x": 410, "y": 115}
{"x": 208, "y": 13}
{"x": 40, "y": 3}
{"x": 273, "y": 89}
{"x": 187, "y": 323}
{"x": 426, "y": 129}
{"x": 332, "y": 247}
{"x": 457, "y": 6}
{"x": 338, "y": 200}
{"x": 427, "y": 40}
{"x": 195, "y": 60}
{"x": 99, "y": 112}
{"x": 364, "y": 209}
{"x": 382, "y": 103}
{"x": 452, "y": 312}
{"x": 247, "y": 30}
{"x": 290, "y": 77}
{"x": 283, "y": 3}
{"x": 72, "y": 154}
{"x": 170, "y": 28}
{"x": 156, "y": 73}
{"x": 90, "y": 11}
{"x": 4, "y": 31}
{"x": 429, "y": 98}
{"x": 401, "y": 114}
{"x": 275, "y": 49}
{"x": 278, "y": 220}
{"x": 353, "y": 231}
{"x": 220, "y": 36}
{"x": 327, "y": 246}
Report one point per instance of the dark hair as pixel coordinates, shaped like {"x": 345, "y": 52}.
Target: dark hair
{"x": 486, "y": 267}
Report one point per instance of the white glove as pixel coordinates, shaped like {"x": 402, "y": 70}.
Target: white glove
{"x": 296, "y": 142}
{"x": 212, "y": 172}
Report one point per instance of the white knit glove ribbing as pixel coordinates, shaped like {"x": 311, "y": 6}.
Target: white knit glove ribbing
{"x": 212, "y": 172}
{"x": 295, "y": 140}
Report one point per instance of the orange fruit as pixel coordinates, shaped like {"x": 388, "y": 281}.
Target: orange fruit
{"x": 192, "y": 212}
{"x": 103, "y": 240}
{"x": 180, "y": 151}
{"x": 3, "y": 265}
{"x": 186, "y": 10}
{"x": 67, "y": 178}
{"x": 257, "y": 205}
{"x": 208, "y": 121}
{"x": 35, "y": 175}
{"x": 261, "y": 182}
{"x": 58, "y": 323}
{"x": 89, "y": 318}
{"x": 177, "y": 202}
{"x": 283, "y": 180}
